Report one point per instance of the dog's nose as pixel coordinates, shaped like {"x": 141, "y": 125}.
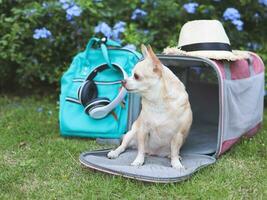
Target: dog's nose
{"x": 123, "y": 82}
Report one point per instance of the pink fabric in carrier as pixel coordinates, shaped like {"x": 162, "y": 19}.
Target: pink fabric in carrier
{"x": 229, "y": 143}
{"x": 240, "y": 68}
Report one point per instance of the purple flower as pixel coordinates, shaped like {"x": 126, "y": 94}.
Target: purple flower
{"x": 103, "y": 28}
{"x": 66, "y": 3}
{"x": 231, "y": 14}
{"x": 73, "y": 11}
{"x": 41, "y": 33}
{"x": 118, "y": 28}
{"x": 69, "y": 17}
{"x": 130, "y": 47}
{"x": 138, "y": 13}
{"x": 263, "y": 2}
{"x": 109, "y": 32}
{"x": 190, "y": 7}
{"x": 116, "y": 34}
{"x": 65, "y": 6}
{"x": 239, "y": 24}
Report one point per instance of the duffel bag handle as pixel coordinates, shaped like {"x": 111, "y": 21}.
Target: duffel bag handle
{"x": 104, "y": 42}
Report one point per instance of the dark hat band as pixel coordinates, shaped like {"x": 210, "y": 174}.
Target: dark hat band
{"x": 207, "y": 46}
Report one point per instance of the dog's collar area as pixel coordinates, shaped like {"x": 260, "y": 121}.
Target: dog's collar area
{"x": 207, "y": 46}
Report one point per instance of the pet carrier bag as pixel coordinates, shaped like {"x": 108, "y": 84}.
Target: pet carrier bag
{"x": 92, "y": 101}
{"x": 227, "y": 103}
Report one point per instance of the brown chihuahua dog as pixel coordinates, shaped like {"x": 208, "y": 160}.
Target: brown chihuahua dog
{"x": 166, "y": 114}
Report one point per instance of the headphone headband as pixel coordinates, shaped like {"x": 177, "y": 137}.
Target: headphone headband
{"x": 93, "y": 74}
{"x": 101, "y": 68}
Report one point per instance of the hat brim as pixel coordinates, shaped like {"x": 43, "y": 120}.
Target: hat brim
{"x": 217, "y": 55}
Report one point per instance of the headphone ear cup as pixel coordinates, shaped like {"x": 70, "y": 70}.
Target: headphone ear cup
{"x": 96, "y": 103}
{"x": 87, "y": 92}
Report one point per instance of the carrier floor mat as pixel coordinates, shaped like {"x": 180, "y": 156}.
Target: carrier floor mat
{"x": 155, "y": 169}
{"x": 202, "y": 139}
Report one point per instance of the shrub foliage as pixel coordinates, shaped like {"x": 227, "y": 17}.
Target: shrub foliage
{"x": 39, "y": 38}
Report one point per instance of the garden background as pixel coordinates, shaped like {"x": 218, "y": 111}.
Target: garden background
{"x": 38, "y": 40}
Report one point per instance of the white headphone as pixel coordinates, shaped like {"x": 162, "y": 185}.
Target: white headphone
{"x": 94, "y": 106}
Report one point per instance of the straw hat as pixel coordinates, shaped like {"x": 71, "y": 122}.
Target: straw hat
{"x": 205, "y": 38}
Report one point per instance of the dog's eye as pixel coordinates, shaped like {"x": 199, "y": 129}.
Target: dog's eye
{"x": 136, "y": 76}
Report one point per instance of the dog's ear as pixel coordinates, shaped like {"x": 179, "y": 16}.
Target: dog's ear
{"x": 156, "y": 62}
{"x": 144, "y": 51}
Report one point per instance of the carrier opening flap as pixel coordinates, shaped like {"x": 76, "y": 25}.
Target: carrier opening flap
{"x": 155, "y": 169}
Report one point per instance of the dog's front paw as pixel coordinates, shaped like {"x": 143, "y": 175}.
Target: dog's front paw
{"x": 113, "y": 154}
{"x": 176, "y": 164}
{"x": 138, "y": 162}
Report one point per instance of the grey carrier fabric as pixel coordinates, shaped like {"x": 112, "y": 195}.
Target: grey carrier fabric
{"x": 227, "y": 103}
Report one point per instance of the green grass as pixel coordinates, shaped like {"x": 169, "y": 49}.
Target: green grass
{"x": 36, "y": 163}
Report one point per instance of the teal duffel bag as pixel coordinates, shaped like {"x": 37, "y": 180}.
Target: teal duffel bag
{"x": 92, "y": 100}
